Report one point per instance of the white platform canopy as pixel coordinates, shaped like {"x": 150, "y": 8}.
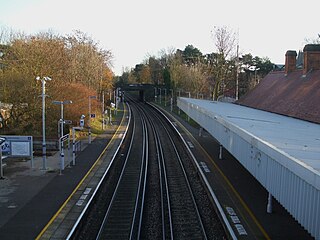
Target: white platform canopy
{"x": 282, "y": 153}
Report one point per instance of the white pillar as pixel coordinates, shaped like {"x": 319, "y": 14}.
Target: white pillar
{"x": 269, "y": 205}
{"x": 220, "y": 152}
{"x": 62, "y": 119}
{"x": 110, "y": 117}
{"x": 44, "y": 149}
{"x": 73, "y": 147}
{"x": 102, "y": 110}
{"x": 61, "y": 155}
{"x": 89, "y": 121}
{"x": 1, "y": 170}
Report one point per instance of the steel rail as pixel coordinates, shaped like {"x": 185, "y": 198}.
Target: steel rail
{"x": 221, "y": 213}
{"x": 162, "y": 177}
{"x": 166, "y": 177}
{"x": 166, "y": 186}
{"x": 118, "y": 200}
{"x": 143, "y": 181}
{"x": 185, "y": 176}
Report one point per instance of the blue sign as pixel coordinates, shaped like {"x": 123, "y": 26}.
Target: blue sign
{"x": 81, "y": 122}
{"x": 64, "y": 138}
{"x": 5, "y": 148}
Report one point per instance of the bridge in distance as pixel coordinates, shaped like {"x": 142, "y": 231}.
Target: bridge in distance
{"x": 146, "y": 91}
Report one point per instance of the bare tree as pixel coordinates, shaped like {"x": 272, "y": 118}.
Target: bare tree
{"x": 6, "y": 35}
{"x": 225, "y": 42}
{"x": 313, "y": 40}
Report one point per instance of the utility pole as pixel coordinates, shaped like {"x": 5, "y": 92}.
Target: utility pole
{"x": 89, "y": 120}
{"x": 237, "y": 68}
{"x": 237, "y": 75}
{"x": 177, "y": 103}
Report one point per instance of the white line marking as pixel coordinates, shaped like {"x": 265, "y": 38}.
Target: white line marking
{"x": 83, "y": 196}
{"x": 204, "y": 166}
{"x": 236, "y": 221}
{"x": 190, "y": 144}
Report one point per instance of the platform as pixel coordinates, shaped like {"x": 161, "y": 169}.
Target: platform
{"x": 282, "y": 153}
{"x": 33, "y": 200}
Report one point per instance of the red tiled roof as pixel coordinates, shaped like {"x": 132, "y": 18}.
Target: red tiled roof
{"x": 293, "y": 95}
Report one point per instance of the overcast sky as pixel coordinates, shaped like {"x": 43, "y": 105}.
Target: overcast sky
{"x": 134, "y": 29}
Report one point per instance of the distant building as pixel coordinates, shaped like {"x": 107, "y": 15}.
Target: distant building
{"x": 294, "y": 91}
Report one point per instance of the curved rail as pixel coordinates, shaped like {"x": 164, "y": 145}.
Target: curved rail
{"x": 189, "y": 199}
{"x": 163, "y": 184}
{"x": 180, "y": 214}
{"x": 120, "y": 218}
{"x": 223, "y": 216}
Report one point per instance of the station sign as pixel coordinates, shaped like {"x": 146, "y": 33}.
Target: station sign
{"x": 64, "y": 138}
{"x": 81, "y": 122}
{"x": 67, "y": 122}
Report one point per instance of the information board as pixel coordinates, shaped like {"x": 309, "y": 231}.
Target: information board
{"x": 20, "y": 149}
{"x": 17, "y": 146}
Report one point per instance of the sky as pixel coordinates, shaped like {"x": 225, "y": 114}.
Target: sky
{"x": 136, "y": 29}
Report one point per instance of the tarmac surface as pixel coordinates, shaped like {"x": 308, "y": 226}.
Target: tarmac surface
{"x": 31, "y": 197}
{"x": 39, "y": 204}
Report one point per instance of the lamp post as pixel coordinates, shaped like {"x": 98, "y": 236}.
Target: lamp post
{"x": 189, "y": 94}
{"x": 102, "y": 110}
{"x": 43, "y": 95}
{"x": 177, "y": 104}
{"x": 89, "y": 120}
{"x": 237, "y": 74}
{"x": 255, "y": 75}
{"x": 254, "y": 69}
{"x": 165, "y": 97}
{"x": 61, "y": 103}
{"x": 171, "y": 100}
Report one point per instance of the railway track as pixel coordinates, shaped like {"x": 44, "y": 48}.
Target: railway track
{"x": 153, "y": 191}
{"x": 123, "y": 211}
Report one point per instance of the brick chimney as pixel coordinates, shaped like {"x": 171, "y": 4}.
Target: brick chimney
{"x": 290, "y": 61}
{"x": 311, "y": 58}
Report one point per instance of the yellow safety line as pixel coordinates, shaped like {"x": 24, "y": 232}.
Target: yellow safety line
{"x": 229, "y": 183}
{"x": 82, "y": 180}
